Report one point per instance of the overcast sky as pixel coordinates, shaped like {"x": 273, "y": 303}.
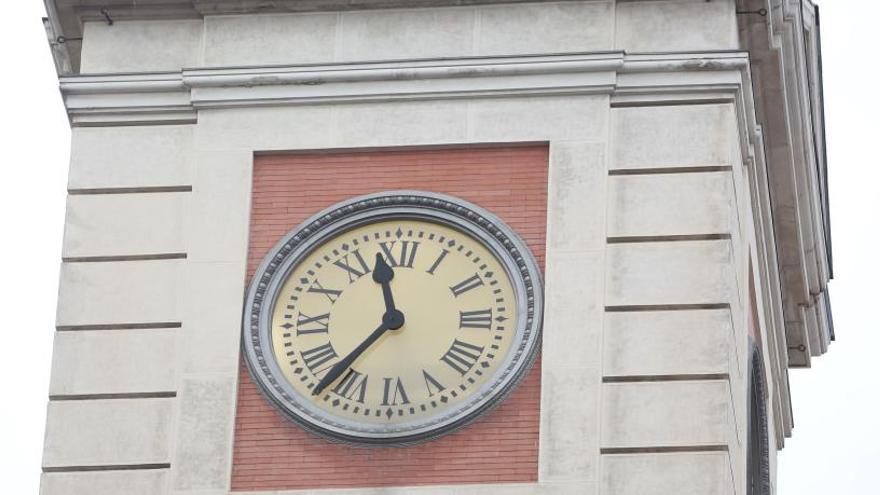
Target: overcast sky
{"x": 836, "y": 443}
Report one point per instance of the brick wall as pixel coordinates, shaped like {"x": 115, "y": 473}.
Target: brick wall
{"x": 270, "y": 452}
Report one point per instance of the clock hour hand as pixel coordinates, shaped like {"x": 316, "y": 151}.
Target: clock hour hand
{"x": 391, "y": 320}
{"x": 383, "y": 274}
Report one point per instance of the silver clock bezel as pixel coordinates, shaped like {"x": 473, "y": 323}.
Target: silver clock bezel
{"x": 458, "y": 214}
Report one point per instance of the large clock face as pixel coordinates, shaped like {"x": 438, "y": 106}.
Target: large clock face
{"x": 393, "y": 321}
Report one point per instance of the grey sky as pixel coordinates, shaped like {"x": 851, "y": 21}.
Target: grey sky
{"x": 836, "y": 406}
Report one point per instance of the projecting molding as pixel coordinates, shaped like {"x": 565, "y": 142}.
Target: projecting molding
{"x": 176, "y": 96}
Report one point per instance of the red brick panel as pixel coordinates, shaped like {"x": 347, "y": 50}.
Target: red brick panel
{"x": 270, "y": 452}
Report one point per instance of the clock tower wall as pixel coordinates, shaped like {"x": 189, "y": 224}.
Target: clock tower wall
{"x": 618, "y": 139}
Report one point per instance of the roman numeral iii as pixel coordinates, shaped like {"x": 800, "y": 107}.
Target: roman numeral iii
{"x": 462, "y": 356}
{"x": 481, "y": 318}
{"x": 400, "y": 253}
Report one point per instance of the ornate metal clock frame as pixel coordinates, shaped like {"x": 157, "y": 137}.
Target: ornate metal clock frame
{"x": 449, "y": 211}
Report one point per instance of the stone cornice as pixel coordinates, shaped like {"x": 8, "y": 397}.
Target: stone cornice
{"x": 66, "y": 17}
{"x": 118, "y": 99}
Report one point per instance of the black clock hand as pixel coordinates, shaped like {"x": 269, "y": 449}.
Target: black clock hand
{"x": 383, "y": 274}
{"x": 391, "y": 320}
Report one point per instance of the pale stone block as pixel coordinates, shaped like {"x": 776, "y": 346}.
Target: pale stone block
{"x": 120, "y": 292}
{"x": 138, "y": 482}
{"x": 549, "y": 118}
{"x": 686, "y": 272}
{"x": 273, "y": 39}
{"x": 573, "y": 309}
{"x": 137, "y": 156}
{"x": 666, "y": 343}
{"x": 267, "y": 128}
{"x": 576, "y": 196}
{"x": 663, "y": 474}
{"x": 669, "y": 204}
{"x": 114, "y": 362}
{"x": 211, "y": 338}
{"x": 204, "y": 433}
{"x": 667, "y": 414}
{"x": 395, "y": 124}
{"x": 404, "y": 34}
{"x": 124, "y": 224}
{"x": 107, "y": 432}
{"x": 676, "y": 25}
{"x": 138, "y": 46}
{"x": 672, "y": 136}
{"x": 545, "y": 28}
{"x": 569, "y": 423}
{"x": 218, "y": 223}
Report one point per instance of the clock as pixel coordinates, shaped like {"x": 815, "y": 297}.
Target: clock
{"x": 393, "y": 318}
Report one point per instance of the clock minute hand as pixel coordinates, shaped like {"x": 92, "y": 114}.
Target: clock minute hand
{"x": 391, "y": 320}
{"x": 343, "y": 365}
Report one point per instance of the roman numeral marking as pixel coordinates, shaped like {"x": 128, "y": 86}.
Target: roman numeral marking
{"x": 466, "y": 285}
{"x": 462, "y": 356}
{"x": 306, "y": 324}
{"x": 405, "y": 252}
{"x": 352, "y": 385}
{"x": 354, "y": 272}
{"x": 430, "y": 381}
{"x": 437, "y": 261}
{"x": 332, "y": 294}
{"x": 481, "y": 318}
{"x": 317, "y": 357}
{"x": 391, "y": 393}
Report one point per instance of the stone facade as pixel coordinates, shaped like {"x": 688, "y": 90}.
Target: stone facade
{"x": 665, "y": 259}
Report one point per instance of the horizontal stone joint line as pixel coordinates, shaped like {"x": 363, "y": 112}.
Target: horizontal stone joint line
{"x": 671, "y": 103}
{"x": 106, "y": 467}
{"x": 671, "y": 170}
{"x": 666, "y": 238}
{"x": 128, "y": 257}
{"x": 119, "y": 326}
{"x": 126, "y": 395}
{"x": 110, "y": 118}
{"x": 663, "y": 449}
{"x": 664, "y": 307}
{"x": 665, "y": 378}
{"x": 129, "y": 190}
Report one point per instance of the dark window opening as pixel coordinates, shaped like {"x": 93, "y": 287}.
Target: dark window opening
{"x": 758, "y": 444}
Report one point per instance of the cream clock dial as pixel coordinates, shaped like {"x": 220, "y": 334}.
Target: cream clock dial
{"x": 393, "y": 318}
